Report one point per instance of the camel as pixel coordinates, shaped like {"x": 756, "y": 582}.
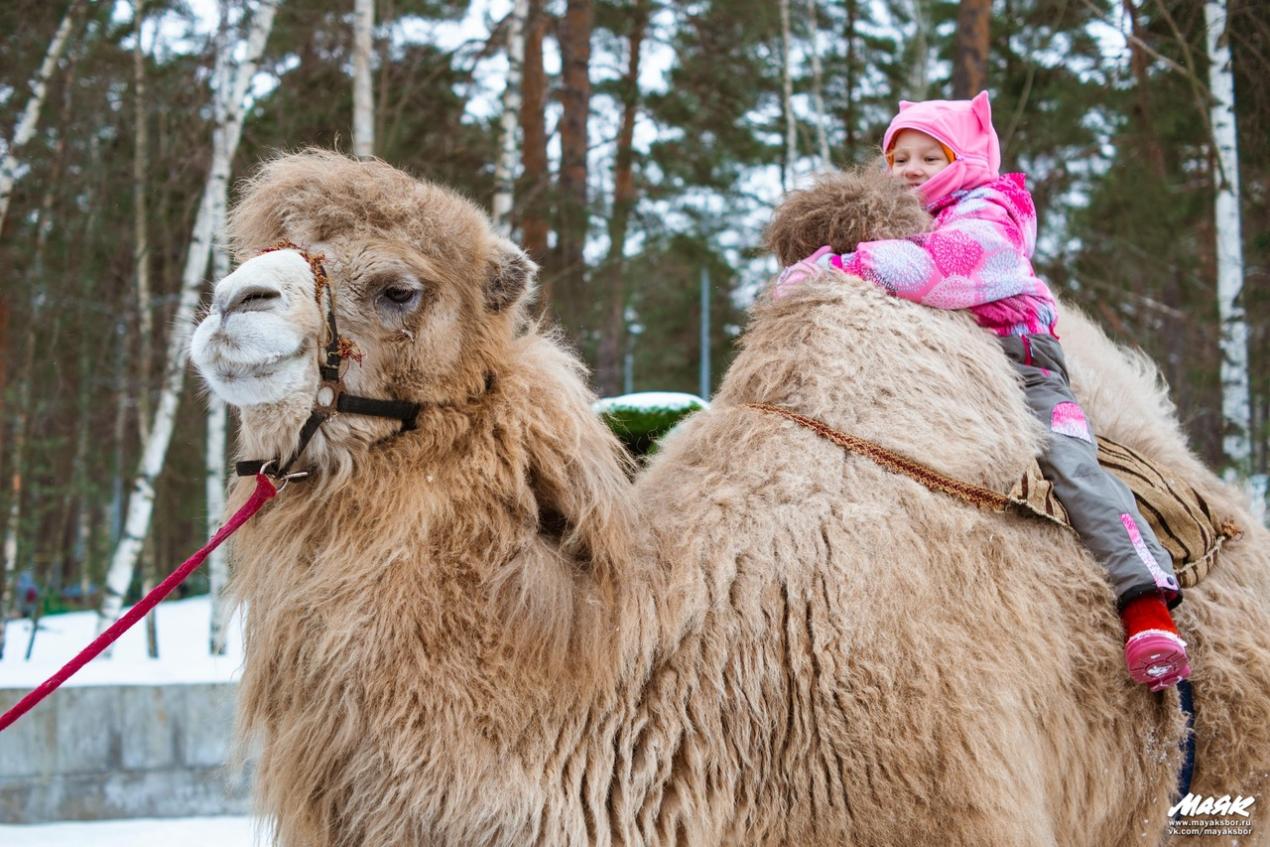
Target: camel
{"x": 479, "y": 632}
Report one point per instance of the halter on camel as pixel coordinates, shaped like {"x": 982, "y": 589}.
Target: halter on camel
{"x": 331, "y": 398}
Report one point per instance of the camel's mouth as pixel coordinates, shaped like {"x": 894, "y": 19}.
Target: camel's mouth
{"x": 228, "y": 367}
{"x": 245, "y": 370}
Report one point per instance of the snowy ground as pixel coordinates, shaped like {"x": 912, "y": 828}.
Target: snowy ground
{"x": 144, "y": 832}
{"x": 183, "y": 654}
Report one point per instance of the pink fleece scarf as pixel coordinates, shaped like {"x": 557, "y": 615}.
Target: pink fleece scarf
{"x": 965, "y": 127}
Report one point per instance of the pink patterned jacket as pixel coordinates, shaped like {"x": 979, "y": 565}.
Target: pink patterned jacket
{"x": 978, "y": 257}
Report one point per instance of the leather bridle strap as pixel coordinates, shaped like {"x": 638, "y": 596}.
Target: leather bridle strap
{"x": 402, "y": 410}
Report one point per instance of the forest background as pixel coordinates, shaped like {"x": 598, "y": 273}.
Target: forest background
{"x": 635, "y": 148}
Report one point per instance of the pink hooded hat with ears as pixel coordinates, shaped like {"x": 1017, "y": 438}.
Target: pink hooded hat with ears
{"x": 965, "y": 127}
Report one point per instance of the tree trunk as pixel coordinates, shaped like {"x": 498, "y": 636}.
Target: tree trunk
{"x": 817, "y": 79}
{"x": 81, "y": 485}
{"x": 154, "y": 452}
{"x": 31, "y": 114}
{"x": 150, "y": 566}
{"x": 970, "y": 48}
{"x": 363, "y": 96}
{"x": 919, "y": 54}
{"x": 218, "y": 562}
{"x": 119, "y": 434}
{"x": 13, "y": 522}
{"x": 787, "y": 97}
{"x": 850, "y": 119}
{"x": 575, "y": 55}
{"x": 609, "y": 369}
{"x": 141, "y": 241}
{"x": 535, "y": 182}
{"x": 505, "y": 168}
{"x": 214, "y": 464}
{"x": 1143, "y": 116}
{"x": 1236, "y": 402}
{"x": 387, "y": 12}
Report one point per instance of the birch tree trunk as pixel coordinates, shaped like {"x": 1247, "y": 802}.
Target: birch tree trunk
{"x": 141, "y": 241}
{"x": 817, "y": 79}
{"x": 31, "y": 114}
{"x": 505, "y": 169}
{"x": 787, "y": 80}
{"x": 1236, "y": 402}
{"x": 363, "y": 96}
{"x": 218, "y": 562}
{"x": 141, "y": 501}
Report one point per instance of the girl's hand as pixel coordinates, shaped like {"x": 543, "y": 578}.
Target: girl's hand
{"x": 799, "y": 271}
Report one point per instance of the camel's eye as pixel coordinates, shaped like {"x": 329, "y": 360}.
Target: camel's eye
{"x": 399, "y": 295}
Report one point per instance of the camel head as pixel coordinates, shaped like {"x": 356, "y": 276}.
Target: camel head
{"x": 842, "y": 209}
{"x": 428, "y": 295}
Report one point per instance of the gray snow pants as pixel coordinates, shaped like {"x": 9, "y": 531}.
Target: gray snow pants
{"x": 1101, "y": 508}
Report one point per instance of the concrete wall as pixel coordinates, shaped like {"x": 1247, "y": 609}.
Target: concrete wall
{"x": 96, "y": 752}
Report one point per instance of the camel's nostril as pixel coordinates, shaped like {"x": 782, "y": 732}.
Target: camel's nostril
{"x": 251, "y": 299}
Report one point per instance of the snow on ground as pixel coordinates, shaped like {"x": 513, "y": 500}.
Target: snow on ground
{"x": 143, "y": 832}
{"x": 183, "y": 654}
{"x": 650, "y": 400}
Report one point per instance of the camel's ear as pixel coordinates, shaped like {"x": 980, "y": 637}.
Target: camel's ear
{"x": 510, "y": 276}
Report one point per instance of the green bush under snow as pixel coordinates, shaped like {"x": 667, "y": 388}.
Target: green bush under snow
{"x": 640, "y": 420}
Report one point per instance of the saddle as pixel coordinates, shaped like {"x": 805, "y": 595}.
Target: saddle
{"x": 1180, "y": 516}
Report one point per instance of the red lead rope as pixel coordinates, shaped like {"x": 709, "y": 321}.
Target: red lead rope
{"x": 264, "y": 490}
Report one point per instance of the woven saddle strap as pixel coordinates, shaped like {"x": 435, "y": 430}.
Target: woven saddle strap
{"x": 1177, "y": 513}
{"x": 975, "y": 495}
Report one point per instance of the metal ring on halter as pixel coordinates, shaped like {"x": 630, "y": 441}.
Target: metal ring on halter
{"x": 286, "y": 480}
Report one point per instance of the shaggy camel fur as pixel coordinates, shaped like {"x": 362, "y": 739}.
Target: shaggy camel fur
{"x": 462, "y": 635}
{"x": 977, "y": 667}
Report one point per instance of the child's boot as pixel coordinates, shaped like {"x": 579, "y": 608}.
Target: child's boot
{"x": 1154, "y": 651}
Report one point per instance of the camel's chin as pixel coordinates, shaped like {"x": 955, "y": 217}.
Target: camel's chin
{"x": 251, "y": 360}
{"x": 260, "y": 385}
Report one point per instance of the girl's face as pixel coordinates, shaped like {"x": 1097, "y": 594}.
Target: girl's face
{"x": 916, "y": 157}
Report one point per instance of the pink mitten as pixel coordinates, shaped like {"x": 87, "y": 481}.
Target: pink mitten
{"x": 799, "y": 271}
